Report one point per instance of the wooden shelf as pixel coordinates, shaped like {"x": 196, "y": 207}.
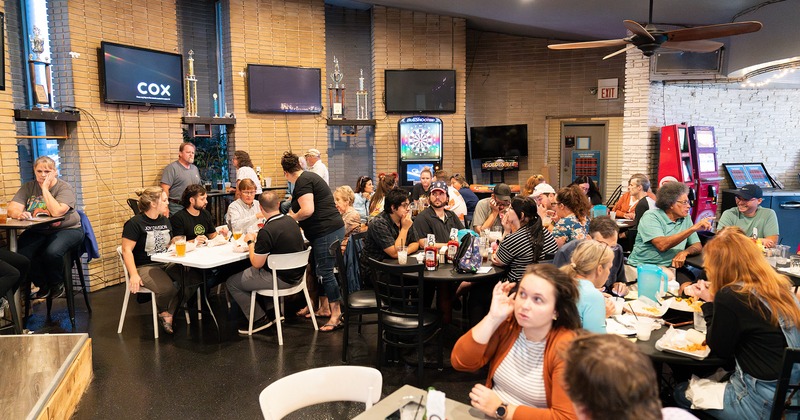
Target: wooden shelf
{"x": 38, "y": 115}
{"x": 350, "y": 123}
{"x": 209, "y": 120}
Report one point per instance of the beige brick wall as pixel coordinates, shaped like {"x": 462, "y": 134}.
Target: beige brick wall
{"x": 9, "y": 162}
{"x": 402, "y": 39}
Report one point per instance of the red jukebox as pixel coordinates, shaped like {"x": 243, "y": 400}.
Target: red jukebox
{"x": 703, "y": 147}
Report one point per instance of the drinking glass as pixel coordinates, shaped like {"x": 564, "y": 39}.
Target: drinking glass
{"x": 644, "y": 326}
{"x": 782, "y": 256}
{"x": 699, "y": 321}
{"x": 180, "y": 246}
{"x": 3, "y": 215}
{"x": 207, "y": 184}
{"x": 794, "y": 264}
{"x": 237, "y": 233}
{"x": 402, "y": 254}
{"x": 612, "y": 214}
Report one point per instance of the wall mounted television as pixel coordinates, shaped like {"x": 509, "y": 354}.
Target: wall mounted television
{"x": 418, "y": 91}
{"x": 140, "y": 76}
{"x": 499, "y": 141}
{"x": 281, "y": 89}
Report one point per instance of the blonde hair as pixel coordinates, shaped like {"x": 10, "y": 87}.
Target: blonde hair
{"x": 531, "y": 183}
{"x": 588, "y": 255}
{"x": 148, "y": 196}
{"x": 47, "y": 161}
{"x": 346, "y": 194}
{"x": 733, "y": 260}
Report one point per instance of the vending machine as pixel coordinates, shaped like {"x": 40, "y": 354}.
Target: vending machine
{"x": 420, "y": 143}
{"x": 703, "y": 147}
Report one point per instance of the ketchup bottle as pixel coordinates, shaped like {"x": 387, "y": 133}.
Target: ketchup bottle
{"x": 431, "y": 254}
{"x": 452, "y": 245}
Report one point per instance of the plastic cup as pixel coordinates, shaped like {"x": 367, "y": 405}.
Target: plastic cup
{"x": 268, "y": 182}
{"x": 619, "y": 303}
{"x": 794, "y": 264}
{"x": 180, "y": 246}
{"x": 3, "y": 215}
{"x": 402, "y": 254}
{"x": 699, "y": 322}
{"x": 612, "y": 214}
{"x": 644, "y": 326}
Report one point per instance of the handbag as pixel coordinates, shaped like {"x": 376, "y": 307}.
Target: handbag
{"x": 468, "y": 258}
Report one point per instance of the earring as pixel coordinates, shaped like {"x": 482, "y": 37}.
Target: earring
{"x": 555, "y": 317}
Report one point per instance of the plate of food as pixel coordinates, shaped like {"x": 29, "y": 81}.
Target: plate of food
{"x": 690, "y": 343}
{"x": 647, "y": 307}
{"x": 690, "y": 304}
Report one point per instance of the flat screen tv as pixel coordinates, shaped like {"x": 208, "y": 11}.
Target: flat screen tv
{"x": 499, "y": 141}
{"x": 417, "y": 91}
{"x": 139, "y": 76}
{"x": 280, "y": 89}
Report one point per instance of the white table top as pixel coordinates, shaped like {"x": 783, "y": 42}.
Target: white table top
{"x": 203, "y": 257}
{"x": 392, "y": 402}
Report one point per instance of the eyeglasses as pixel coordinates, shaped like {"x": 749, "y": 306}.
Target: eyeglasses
{"x": 599, "y": 260}
{"x": 683, "y": 202}
{"x": 251, "y": 192}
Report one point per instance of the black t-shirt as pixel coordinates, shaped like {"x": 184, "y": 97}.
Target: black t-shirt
{"x": 427, "y": 222}
{"x": 419, "y": 191}
{"x": 281, "y": 235}
{"x": 183, "y": 223}
{"x": 151, "y": 235}
{"x": 325, "y": 218}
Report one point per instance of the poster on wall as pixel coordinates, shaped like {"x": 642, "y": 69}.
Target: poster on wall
{"x": 586, "y": 163}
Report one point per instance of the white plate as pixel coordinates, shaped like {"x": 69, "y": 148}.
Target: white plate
{"x": 666, "y": 344}
{"x": 642, "y": 309}
{"x": 682, "y": 305}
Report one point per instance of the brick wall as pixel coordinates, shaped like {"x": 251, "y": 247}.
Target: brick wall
{"x": 639, "y": 138}
{"x": 517, "y": 80}
{"x": 9, "y": 162}
{"x": 402, "y": 39}
{"x": 197, "y": 31}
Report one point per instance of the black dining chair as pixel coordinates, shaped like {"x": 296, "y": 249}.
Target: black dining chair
{"x": 782, "y": 404}
{"x": 403, "y": 320}
{"x": 356, "y": 303}
{"x": 134, "y": 205}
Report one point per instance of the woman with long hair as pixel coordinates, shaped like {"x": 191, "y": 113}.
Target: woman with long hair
{"x": 589, "y": 268}
{"x": 523, "y": 340}
{"x": 387, "y": 182}
{"x": 363, "y": 193}
{"x": 572, "y": 208}
{"x": 244, "y": 169}
{"x": 589, "y": 189}
{"x": 525, "y": 242}
{"x": 531, "y": 184}
{"x": 752, "y": 316}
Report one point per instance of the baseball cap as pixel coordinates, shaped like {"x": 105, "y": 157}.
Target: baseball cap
{"x": 313, "y": 152}
{"x": 749, "y": 192}
{"x": 543, "y": 188}
{"x": 502, "y": 192}
{"x": 439, "y": 185}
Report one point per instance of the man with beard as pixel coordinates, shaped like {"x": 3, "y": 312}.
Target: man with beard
{"x": 178, "y": 175}
{"x": 435, "y": 219}
{"x": 194, "y": 221}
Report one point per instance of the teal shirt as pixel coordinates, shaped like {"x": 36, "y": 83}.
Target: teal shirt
{"x": 765, "y": 220}
{"x": 653, "y": 224}
{"x": 591, "y": 307}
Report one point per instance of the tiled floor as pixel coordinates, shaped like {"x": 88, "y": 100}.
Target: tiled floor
{"x": 194, "y": 375}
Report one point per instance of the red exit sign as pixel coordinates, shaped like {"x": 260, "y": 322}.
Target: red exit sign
{"x": 607, "y": 93}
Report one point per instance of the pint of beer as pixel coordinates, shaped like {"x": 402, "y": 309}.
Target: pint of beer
{"x": 180, "y": 246}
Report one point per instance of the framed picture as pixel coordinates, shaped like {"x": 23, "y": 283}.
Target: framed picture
{"x": 2, "y": 51}
{"x": 583, "y": 143}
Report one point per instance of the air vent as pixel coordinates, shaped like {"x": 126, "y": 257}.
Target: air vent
{"x": 682, "y": 65}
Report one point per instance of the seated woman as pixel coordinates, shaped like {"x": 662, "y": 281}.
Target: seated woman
{"x": 523, "y": 339}
{"x": 752, "y": 316}
{"x": 589, "y": 189}
{"x": 47, "y": 244}
{"x": 364, "y": 190}
{"x": 146, "y": 234}
{"x": 245, "y": 213}
{"x": 572, "y": 209}
{"x": 388, "y": 182}
{"x": 589, "y": 268}
{"x": 343, "y": 197}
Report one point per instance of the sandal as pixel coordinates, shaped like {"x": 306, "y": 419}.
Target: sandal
{"x": 332, "y": 326}
{"x": 167, "y": 326}
{"x": 303, "y": 313}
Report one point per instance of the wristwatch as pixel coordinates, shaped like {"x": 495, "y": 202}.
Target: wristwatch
{"x": 501, "y": 411}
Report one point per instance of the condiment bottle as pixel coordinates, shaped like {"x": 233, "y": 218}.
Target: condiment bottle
{"x": 431, "y": 253}
{"x": 452, "y": 245}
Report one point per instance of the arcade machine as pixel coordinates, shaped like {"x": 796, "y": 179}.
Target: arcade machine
{"x": 420, "y": 146}
{"x": 675, "y": 159}
{"x": 703, "y": 147}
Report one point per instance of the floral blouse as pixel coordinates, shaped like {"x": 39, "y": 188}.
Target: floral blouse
{"x": 570, "y": 228}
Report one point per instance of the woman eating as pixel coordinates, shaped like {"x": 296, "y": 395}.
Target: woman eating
{"x": 752, "y": 316}
{"x": 572, "y": 209}
{"x": 522, "y": 339}
{"x": 46, "y": 244}
{"x": 364, "y": 190}
{"x": 589, "y": 268}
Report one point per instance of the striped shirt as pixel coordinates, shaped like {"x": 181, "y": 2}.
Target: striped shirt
{"x": 516, "y": 251}
{"x": 519, "y": 379}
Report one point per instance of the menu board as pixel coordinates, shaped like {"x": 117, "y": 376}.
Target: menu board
{"x": 748, "y": 173}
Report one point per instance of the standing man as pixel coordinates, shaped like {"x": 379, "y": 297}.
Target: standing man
{"x": 178, "y": 175}
{"x": 316, "y": 166}
{"x": 435, "y": 219}
{"x": 751, "y": 217}
{"x": 280, "y": 235}
{"x": 488, "y": 212}
{"x": 194, "y": 221}
{"x": 422, "y": 188}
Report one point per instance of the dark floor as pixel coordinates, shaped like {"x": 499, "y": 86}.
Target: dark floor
{"x": 193, "y": 375}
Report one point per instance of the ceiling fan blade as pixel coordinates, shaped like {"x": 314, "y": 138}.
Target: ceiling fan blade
{"x": 588, "y": 44}
{"x": 713, "y": 31}
{"x": 637, "y": 29}
{"x": 629, "y": 47}
{"x": 701, "y": 46}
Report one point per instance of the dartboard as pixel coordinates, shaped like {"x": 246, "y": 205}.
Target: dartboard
{"x": 420, "y": 140}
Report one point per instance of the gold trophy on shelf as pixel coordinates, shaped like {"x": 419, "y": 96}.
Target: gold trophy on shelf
{"x": 191, "y": 88}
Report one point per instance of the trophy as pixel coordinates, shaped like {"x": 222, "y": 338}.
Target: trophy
{"x": 336, "y": 93}
{"x": 39, "y": 70}
{"x": 362, "y": 96}
{"x": 191, "y": 88}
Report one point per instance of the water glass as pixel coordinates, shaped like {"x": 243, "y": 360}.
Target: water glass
{"x": 644, "y": 326}
{"x": 794, "y": 264}
{"x": 402, "y": 254}
{"x": 619, "y": 303}
{"x": 782, "y": 256}
{"x": 612, "y": 214}
{"x": 268, "y": 182}
{"x": 699, "y": 321}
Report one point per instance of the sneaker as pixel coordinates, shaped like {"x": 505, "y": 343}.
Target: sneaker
{"x": 258, "y": 325}
{"x": 57, "y": 291}
{"x": 42, "y": 293}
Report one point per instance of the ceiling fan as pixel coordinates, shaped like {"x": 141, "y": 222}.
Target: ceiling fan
{"x": 649, "y": 38}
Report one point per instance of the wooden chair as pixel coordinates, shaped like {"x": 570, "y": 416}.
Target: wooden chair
{"x": 783, "y": 404}
{"x": 356, "y": 304}
{"x": 403, "y": 321}
{"x": 320, "y": 385}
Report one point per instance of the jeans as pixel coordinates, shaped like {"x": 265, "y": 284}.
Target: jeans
{"x": 325, "y": 262}
{"x": 48, "y": 250}
{"x": 13, "y": 270}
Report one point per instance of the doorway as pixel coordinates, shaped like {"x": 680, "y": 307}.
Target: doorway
{"x": 584, "y": 147}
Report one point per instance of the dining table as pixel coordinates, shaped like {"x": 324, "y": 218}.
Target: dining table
{"x": 385, "y": 408}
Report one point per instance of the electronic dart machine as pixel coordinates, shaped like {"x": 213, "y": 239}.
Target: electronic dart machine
{"x": 420, "y": 142}
{"x": 674, "y": 159}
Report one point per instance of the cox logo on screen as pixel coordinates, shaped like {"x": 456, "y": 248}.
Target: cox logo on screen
{"x": 153, "y": 89}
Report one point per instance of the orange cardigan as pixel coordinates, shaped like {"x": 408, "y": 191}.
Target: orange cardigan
{"x": 623, "y": 204}
{"x": 470, "y": 356}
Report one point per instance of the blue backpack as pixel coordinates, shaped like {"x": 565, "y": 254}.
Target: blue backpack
{"x": 468, "y": 258}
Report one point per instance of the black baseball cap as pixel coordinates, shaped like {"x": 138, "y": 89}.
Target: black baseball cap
{"x": 502, "y": 192}
{"x": 749, "y": 191}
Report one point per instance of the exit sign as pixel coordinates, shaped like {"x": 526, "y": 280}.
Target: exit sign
{"x": 607, "y": 88}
